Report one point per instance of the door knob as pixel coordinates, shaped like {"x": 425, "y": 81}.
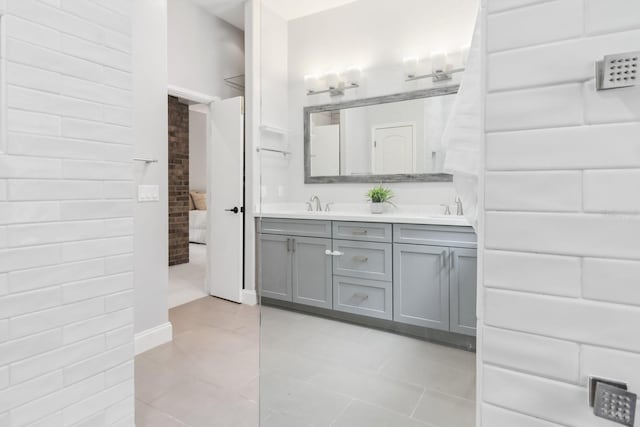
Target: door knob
{"x": 235, "y": 210}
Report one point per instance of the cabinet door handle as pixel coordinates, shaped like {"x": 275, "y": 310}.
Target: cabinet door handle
{"x": 359, "y": 258}
{"x": 443, "y": 256}
{"x": 293, "y": 245}
{"x": 288, "y": 245}
{"x": 359, "y": 232}
{"x": 453, "y": 258}
{"x": 333, "y": 253}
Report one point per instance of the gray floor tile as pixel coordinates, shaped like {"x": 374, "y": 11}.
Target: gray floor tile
{"x": 291, "y": 400}
{"x": 445, "y": 411}
{"x": 360, "y": 414}
{"x": 365, "y": 386}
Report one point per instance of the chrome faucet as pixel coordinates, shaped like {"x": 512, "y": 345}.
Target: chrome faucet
{"x": 309, "y": 207}
{"x": 327, "y": 207}
{"x": 459, "y": 210}
{"x": 316, "y": 199}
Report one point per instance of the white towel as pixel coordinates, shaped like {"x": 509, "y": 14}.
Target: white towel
{"x": 464, "y": 131}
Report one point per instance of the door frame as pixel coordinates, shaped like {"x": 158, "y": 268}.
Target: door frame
{"x": 191, "y": 97}
{"x": 393, "y": 125}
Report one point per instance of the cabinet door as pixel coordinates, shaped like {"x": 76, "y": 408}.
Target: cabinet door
{"x": 421, "y": 285}
{"x": 275, "y": 267}
{"x": 312, "y": 272}
{"x": 463, "y": 282}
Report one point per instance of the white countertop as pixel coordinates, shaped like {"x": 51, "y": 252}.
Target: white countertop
{"x": 410, "y": 214}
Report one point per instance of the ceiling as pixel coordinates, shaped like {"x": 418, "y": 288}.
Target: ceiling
{"x": 292, "y": 9}
{"x": 232, "y": 11}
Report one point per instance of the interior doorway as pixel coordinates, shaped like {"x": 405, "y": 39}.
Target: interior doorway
{"x": 187, "y": 140}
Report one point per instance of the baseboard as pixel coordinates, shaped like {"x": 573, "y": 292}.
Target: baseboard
{"x": 153, "y": 337}
{"x": 249, "y": 297}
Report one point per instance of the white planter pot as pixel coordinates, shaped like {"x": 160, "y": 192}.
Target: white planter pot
{"x": 377, "y": 208}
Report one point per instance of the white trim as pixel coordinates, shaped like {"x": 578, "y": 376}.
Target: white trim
{"x": 191, "y": 96}
{"x": 249, "y": 297}
{"x": 153, "y": 337}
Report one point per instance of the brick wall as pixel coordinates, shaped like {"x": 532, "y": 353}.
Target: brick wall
{"x": 562, "y": 224}
{"x": 178, "y": 182}
{"x": 66, "y": 205}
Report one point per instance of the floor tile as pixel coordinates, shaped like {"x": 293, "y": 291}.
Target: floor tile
{"x": 360, "y": 414}
{"x": 152, "y": 380}
{"x": 199, "y": 404}
{"x": 291, "y": 400}
{"x": 365, "y": 386}
{"x": 445, "y": 411}
{"x": 147, "y": 416}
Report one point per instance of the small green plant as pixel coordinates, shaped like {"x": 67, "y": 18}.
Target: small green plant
{"x": 380, "y": 194}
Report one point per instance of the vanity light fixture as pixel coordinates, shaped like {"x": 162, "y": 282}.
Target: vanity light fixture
{"x": 333, "y": 83}
{"x": 442, "y": 67}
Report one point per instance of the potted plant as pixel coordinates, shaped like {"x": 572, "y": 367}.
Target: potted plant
{"x": 378, "y": 196}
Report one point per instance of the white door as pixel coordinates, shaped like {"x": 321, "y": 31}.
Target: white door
{"x": 225, "y": 167}
{"x": 325, "y": 150}
{"x": 393, "y": 149}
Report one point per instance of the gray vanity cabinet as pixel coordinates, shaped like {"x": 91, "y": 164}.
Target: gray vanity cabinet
{"x": 275, "y": 267}
{"x": 312, "y": 282}
{"x": 415, "y": 274}
{"x": 294, "y": 265}
{"x": 421, "y": 286}
{"x": 434, "y": 277}
{"x": 463, "y": 286}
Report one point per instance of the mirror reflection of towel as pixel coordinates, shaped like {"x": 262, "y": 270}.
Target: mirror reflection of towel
{"x": 464, "y": 131}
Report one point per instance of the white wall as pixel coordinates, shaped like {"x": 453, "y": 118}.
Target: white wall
{"x": 561, "y": 253}
{"x": 150, "y": 95}
{"x": 197, "y": 151}
{"x": 274, "y": 106}
{"x": 203, "y": 50}
{"x": 66, "y": 216}
{"x": 375, "y": 35}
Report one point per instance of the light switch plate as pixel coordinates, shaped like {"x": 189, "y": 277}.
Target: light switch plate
{"x": 148, "y": 193}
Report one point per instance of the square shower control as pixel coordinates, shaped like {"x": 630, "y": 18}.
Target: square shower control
{"x": 615, "y": 404}
{"x": 618, "y": 71}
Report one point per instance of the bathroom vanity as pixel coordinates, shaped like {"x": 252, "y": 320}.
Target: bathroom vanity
{"x": 413, "y": 275}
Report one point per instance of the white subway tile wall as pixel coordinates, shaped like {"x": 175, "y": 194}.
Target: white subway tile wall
{"x": 561, "y": 278}
{"x": 66, "y": 215}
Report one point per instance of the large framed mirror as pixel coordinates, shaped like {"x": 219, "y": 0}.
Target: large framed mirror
{"x": 392, "y": 138}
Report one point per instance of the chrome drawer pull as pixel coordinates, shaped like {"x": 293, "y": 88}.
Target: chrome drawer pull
{"x": 333, "y": 253}
{"x": 358, "y": 258}
{"x": 362, "y": 297}
{"x": 359, "y": 232}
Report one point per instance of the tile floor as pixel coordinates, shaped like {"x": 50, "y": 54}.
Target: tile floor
{"x": 186, "y": 281}
{"x": 320, "y": 372}
{"x": 315, "y": 372}
{"x": 208, "y": 375}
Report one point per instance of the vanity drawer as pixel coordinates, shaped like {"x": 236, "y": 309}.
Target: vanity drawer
{"x": 365, "y": 231}
{"x": 435, "y": 235}
{"x": 364, "y": 297}
{"x": 367, "y": 260}
{"x": 295, "y": 227}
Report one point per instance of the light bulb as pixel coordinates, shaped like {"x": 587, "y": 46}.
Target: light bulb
{"x": 353, "y": 76}
{"x": 410, "y": 67}
{"x": 439, "y": 62}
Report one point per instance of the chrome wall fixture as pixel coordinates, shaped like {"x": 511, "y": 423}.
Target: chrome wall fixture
{"x": 333, "y": 83}
{"x": 618, "y": 71}
{"x": 441, "y": 66}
